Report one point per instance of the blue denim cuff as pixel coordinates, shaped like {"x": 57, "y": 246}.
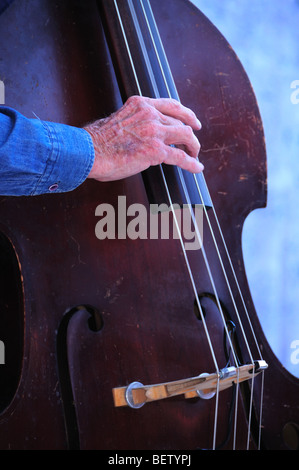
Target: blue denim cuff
{"x": 38, "y": 157}
{"x": 71, "y": 156}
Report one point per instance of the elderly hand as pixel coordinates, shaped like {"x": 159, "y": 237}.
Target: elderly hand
{"x": 141, "y": 134}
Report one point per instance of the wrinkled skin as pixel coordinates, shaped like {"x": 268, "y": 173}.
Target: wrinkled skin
{"x": 143, "y": 133}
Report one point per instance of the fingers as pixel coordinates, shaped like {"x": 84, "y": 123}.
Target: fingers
{"x": 176, "y": 156}
{"x": 172, "y": 108}
{"x": 144, "y": 132}
{"x": 170, "y": 115}
{"x": 183, "y": 136}
{"x": 170, "y": 124}
{"x": 166, "y": 107}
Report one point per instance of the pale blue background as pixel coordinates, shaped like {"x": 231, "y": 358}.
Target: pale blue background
{"x": 265, "y": 36}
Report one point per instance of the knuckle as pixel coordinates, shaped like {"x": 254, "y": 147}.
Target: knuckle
{"x": 147, "y": 112}
{"x": 174, "y": 107}
{"x": 189, "y": 131}
{"x": 155, "y": 145}
{"x": 133, "y": 100}
{"x": 149, "y": 116}
{"x": 174, "y": 103}
{"x": 149, "y": 130}
{"x": 156, "y": 152}
{"x": 155, "y": 128}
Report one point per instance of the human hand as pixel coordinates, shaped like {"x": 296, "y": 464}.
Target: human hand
{"x": 142, "y": 133}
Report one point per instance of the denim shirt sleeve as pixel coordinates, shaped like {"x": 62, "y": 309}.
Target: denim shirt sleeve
{"x": 38, "y": 157}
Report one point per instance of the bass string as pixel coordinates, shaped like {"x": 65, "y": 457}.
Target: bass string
{"x": 151, "y": 74}
{"x": 203, "y": 250}
{"x": 194, "y": 221}
{"x": 196, "y": 296}
{"x": 183, "y": 249}
{"x": 182, "y": 180}
{"x": 170, "y": 202}
{"x": 195, "y": 291}
{"x": 202, "y": 200}
{"x": 212, "y": 352}
{"x": 147, "y": 15}
{"x": 248, "y": 320}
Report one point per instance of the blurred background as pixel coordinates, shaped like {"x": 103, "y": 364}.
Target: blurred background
{"x": 265, "y": 36}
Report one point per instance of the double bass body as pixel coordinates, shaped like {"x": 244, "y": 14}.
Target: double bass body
{"x": 82, "y": 315}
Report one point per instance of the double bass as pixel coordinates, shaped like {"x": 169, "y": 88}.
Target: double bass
{"x": 125, "y": 343}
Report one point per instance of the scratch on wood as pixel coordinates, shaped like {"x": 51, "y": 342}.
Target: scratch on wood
{"x": 222, "y": 193}
{"x": 243, "y": 177}
{"x": 220, "y": 148}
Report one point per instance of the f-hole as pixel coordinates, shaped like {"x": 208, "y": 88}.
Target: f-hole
{"x": 11, "y": 322}
{"x": 95, "y": 324}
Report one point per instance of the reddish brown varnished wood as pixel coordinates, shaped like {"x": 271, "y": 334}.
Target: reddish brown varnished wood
{"x": 55, "y": 63}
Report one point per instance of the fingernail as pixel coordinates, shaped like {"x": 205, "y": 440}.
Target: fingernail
{"x": 199, "y": 124}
